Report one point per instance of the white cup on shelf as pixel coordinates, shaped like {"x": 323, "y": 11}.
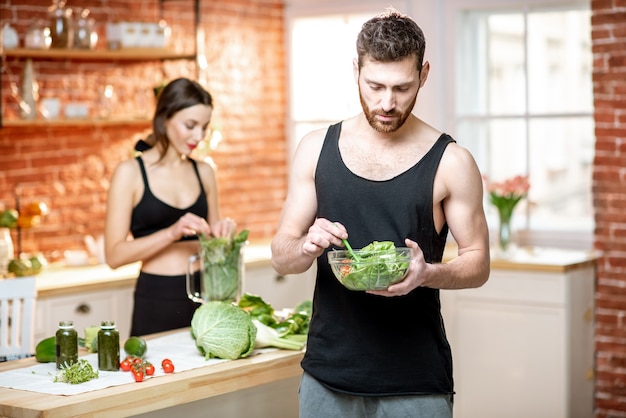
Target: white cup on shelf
{"x": 50, "y": 107}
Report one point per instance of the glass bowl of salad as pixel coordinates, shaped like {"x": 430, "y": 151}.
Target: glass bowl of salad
{"x": 374, "y": 267}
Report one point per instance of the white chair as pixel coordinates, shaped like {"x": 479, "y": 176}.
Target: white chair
{"x": 17, "y": 317}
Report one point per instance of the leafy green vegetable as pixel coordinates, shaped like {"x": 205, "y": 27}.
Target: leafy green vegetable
{"x": 223, "y": 330}
{"x": 221, "y": 263}
{"x": 305, "y": 307}
{"x": 78, "y": 372}
{"x": 257, "y": 308}
{"x": 295, "y": 323}
{"x": 377, "y": 267}
{"x": 284, "y": 330}
{"x": 269, "y": 337}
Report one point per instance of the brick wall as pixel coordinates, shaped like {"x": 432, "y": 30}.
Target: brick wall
{"x": 609, "y": 178}
{"x": 68, "y": 166}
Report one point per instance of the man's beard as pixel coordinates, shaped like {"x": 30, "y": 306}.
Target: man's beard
{"x": 386, "y": 127}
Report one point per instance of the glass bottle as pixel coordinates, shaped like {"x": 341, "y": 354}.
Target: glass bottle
{"x": 66, "y": 344}
{"x": 61, "y": 25}
{"x": 85, "y": 37}
{"x": 38, "y": 35}
{"x": 30, "y": 92}
{"x": 108, "y": 347}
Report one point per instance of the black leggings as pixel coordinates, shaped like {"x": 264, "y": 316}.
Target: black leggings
{"x": 161, "y": 304}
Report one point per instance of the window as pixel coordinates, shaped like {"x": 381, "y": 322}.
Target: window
{"x": 323, "y": 87}
{"x": 524, "y": 105}
{"x": 521, "y": 101}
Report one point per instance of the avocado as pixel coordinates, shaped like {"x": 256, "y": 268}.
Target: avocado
{"x": 45, "y": 352}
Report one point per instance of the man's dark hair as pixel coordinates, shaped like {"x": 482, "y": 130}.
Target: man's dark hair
{"x": 391, "y": 36}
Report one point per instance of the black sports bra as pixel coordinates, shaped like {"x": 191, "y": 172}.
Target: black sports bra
{"x": 151, "y": 214}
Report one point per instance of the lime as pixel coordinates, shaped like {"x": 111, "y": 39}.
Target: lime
{"x": 135, "y": 346}
{"x": 45, "y": 352}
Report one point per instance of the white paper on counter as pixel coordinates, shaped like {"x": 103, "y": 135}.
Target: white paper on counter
{"x": 178, "y": 347}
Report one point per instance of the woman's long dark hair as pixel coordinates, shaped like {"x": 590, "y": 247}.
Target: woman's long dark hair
{"x": 177, "y": 95}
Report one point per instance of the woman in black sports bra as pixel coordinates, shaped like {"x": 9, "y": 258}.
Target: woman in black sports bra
{"x": 159, "y": 202}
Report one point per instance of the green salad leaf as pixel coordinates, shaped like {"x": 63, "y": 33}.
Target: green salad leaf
{"x": 288, "y": 333}
{"x": 377, "y": 267}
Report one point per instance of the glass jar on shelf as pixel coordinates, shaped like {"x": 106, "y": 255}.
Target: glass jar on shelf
{"x": 37, "y": 35}
{"x": 61, "y": 25}
{"x": 85, "y": 36}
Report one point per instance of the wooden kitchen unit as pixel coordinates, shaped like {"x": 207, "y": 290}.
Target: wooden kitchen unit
{"x": 263, "y": 385}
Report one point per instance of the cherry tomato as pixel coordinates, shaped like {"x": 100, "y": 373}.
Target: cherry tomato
{"x": 149, "y": 369}
{"x": 138, "y": 374}
{"x": 165, "y": 360}
{"x": 126, "y": 365}
{"x": 168, "y": 367}
{"x": 137, "y": 360}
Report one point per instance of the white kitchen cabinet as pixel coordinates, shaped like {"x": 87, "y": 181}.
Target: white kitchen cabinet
{"x": 523, "y": 343}
{"x": 278, "y": 290}
{"x": 85, "y": 309}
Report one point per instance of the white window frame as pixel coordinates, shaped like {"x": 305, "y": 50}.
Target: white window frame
{"x": 436, "y": 102}
{"x": 576, "y": 238}
{"x": 310, "y": 8}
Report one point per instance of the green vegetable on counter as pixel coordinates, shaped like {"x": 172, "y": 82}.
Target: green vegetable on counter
{"x": 284, "y": 331}
{"x": 305, "y": 307}
{"x": 221, "y": 259}
{"x": 257, "y": 308}
{"x": 223, "y": 330}
{"x": 45, "y": 351}
{"x": 90, "y": 342}
{"x": 136, "y": 346}
{"x": 79, "y": 372}
{"x": 269, "y": 337}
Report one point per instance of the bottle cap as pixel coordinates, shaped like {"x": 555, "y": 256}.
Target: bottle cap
{"x": 107, "y": 324}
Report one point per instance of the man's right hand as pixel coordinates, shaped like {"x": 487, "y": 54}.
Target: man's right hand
{"x": 321, "y": 235}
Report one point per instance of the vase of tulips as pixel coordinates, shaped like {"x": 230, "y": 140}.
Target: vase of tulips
{"x": 505, "y": 196}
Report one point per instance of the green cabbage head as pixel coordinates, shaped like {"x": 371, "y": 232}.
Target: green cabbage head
{"x": 223, "y": 330}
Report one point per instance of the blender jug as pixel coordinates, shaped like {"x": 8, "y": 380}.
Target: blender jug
{"x": 221, "y": 276}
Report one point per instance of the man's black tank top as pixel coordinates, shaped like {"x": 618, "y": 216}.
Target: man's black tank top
{"x": 151, "y": 214}
{"x": 370, "y": 345}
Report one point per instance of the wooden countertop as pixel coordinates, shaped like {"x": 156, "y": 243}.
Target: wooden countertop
{"x": 58, "y": 279}
{"x": 536, "y": 259}
{"x": 155, "y": 393}
{"x": 62, "y": 280}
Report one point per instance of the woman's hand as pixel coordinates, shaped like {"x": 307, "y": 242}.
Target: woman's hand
{"x": 189, "y": 225}
{"x": 224, "y": 228}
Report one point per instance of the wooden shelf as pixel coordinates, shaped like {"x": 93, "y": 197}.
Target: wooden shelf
{"x": 128, "y": 54}
{"x": 20, "y": 123}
